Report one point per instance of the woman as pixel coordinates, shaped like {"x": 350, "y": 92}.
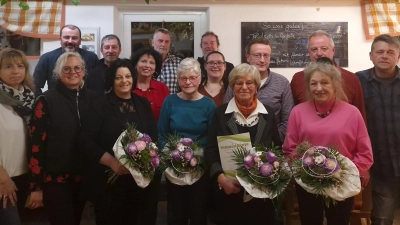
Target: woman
{"x": 188, "y": 114}
{"x": 148, "y": 65}
{"x": 243, "y": 113}
{"x": 56, "y": 164}
{"x": 214, "y": 85}
{"x": 326, "y": 119}
{"x": 122, "y": 202}
{"x": 16, "y": 101}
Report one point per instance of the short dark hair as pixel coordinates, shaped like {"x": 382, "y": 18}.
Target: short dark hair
{"x": 209, "y": 33}
{"x": 112, "y": 70}
{"x": 110, "y": 37}
{"x": 255, "y": 41}
{"x": 144, "y": 51}
{"x": 388, "y": 39}
{"x": 72, "y": 27}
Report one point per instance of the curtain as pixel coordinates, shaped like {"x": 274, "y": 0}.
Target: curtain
{"x": 43, "y": 19}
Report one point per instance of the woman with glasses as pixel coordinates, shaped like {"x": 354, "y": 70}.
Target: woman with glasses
{"x": 214, "y": 84}
{"x": 56, "y": 164}
{"x": 243, "y": 113}
{"x": 148, "y": 63}
{"x": 188, "y": 114}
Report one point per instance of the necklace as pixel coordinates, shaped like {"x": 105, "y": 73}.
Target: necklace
{"x": 211, "y": 90}
{"x": 323, "y": 115}
{"x": 142, "y": 88}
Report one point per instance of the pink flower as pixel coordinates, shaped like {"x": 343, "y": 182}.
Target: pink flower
{"x": 276, "y": 164}
{"x": 311, "y": 151}
{"x": 152, "y": 153}
{"x": 248, "y": 161}
{"x": 257, "y": 159}
{"x": 141, "y": 145}
{"x": 193, "y": 162}
{"x": 180, "y": 147}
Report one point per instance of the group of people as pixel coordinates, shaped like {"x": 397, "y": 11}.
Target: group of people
{"x": 56, "y": 146}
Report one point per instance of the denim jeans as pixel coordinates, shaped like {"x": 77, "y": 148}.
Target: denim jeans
{"x": 385, "y": 195}
{"x": 9, "y": 215}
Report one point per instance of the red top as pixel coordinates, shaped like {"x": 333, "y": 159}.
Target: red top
{"x": 351, "y": 86}
{"x": 218, "y": 99}
{"x": 156, "y": 94}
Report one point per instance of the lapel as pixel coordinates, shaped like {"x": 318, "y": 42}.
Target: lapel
{"x": 232, "y": 124}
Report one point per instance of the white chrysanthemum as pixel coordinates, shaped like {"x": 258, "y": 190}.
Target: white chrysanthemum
{"x": 258, "y": 153}
{"x": 319, "y": 159}
{"x": 139, "y": 135}
{"x": 181, "y": 148}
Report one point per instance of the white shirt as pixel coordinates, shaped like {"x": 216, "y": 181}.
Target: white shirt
{"x": 13, "y": 137}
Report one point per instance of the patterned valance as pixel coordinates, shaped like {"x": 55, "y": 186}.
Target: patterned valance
{"x": 43, "y": 19}
{"x": 380, "y": 17}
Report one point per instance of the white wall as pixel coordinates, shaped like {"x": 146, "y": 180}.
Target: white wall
{"x": 224, "y": 19}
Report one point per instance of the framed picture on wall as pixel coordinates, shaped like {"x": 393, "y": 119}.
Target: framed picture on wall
{"x": 91, "y": 39}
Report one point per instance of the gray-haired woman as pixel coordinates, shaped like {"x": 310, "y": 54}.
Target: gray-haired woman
{"x": 56, "y": 163}
{"x": 187, "y": 113}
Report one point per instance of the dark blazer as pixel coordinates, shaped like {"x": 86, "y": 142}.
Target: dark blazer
{"x": 224, "y": 124}
{"x": 101, "y": 130}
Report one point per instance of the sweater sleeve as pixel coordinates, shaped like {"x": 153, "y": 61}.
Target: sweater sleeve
{"x": 287, "y": 105}
{"x": 363, "y": 157}
{"x": 40, "y": 74}
{"x": 211, "y": 153}
{"x": 228, "y": 95}
{"x": 292, "y": 138}
{"x": 90, "y": 132}
{"x": 163, "y": 123}
{"x": 38, "y": 135}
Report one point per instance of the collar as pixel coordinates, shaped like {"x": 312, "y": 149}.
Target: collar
{"x": 372, "y": 75}
{"x": 232, "y": 107}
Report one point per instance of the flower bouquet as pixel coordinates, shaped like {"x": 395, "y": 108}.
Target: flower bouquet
{"x": 262, "y": 171}
{"x": 324, "y": 171}
{"x": 138, "y": 154}
{"x": 184, "y": 160}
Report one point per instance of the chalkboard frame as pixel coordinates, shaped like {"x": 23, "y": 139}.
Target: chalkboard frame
{"x": 288, "y": 41}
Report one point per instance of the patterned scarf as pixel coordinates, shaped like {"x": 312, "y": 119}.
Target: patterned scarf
{"x": 21, "y": 101}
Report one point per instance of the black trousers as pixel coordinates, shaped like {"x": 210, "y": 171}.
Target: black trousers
{"x": 189, "y": 202}
{"x": 312, "y": 209}
{"x": 125, "y": 203}
{"x": 62, "y": 203}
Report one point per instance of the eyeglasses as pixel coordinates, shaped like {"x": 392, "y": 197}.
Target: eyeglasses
{"x": 77, "y": 69}
{"x": 218, "y": 63}
{"x": 240, "y": 84}
{"x": 185, "y": 79}
{"x": 258, "y": 56}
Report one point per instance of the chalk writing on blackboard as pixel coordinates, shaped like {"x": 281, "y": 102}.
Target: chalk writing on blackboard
{"x": 288, "y": 40}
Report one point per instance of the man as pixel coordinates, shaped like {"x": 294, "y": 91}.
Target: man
{"x": 162, "y": 43}
{"x": 275, "y": 89}
{"x": 70, "y": 39}
{"x": 381, "y": 87}
{"x": 320, "y": 44}
{"x": 110, "y": 49}
{"x": 209, "y": 43}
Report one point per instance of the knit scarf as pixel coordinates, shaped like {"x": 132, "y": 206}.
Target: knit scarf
{"x": 246, "y": 111}
{"x": 21, "y": 101}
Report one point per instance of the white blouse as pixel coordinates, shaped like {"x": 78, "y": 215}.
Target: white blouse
{"x": 13, "y": 138}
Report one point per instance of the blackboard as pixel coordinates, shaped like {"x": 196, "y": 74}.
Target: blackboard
{"x": 288, "y": 41}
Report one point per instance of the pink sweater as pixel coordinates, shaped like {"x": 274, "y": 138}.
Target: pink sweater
{"x": 343, "y": 128}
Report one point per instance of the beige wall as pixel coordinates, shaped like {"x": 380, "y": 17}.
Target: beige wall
{"x": 224, "y": 19}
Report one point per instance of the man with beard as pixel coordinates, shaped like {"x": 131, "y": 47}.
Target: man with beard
{"x": 110, "y": 49}
{"x": 162, "y": 43}
{"x": 70, "y": 39}
{"x": 210, "y": 43}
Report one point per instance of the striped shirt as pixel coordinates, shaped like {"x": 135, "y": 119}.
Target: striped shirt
{"x": 382, "y": 103}
{"x": 275, "y": 93}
